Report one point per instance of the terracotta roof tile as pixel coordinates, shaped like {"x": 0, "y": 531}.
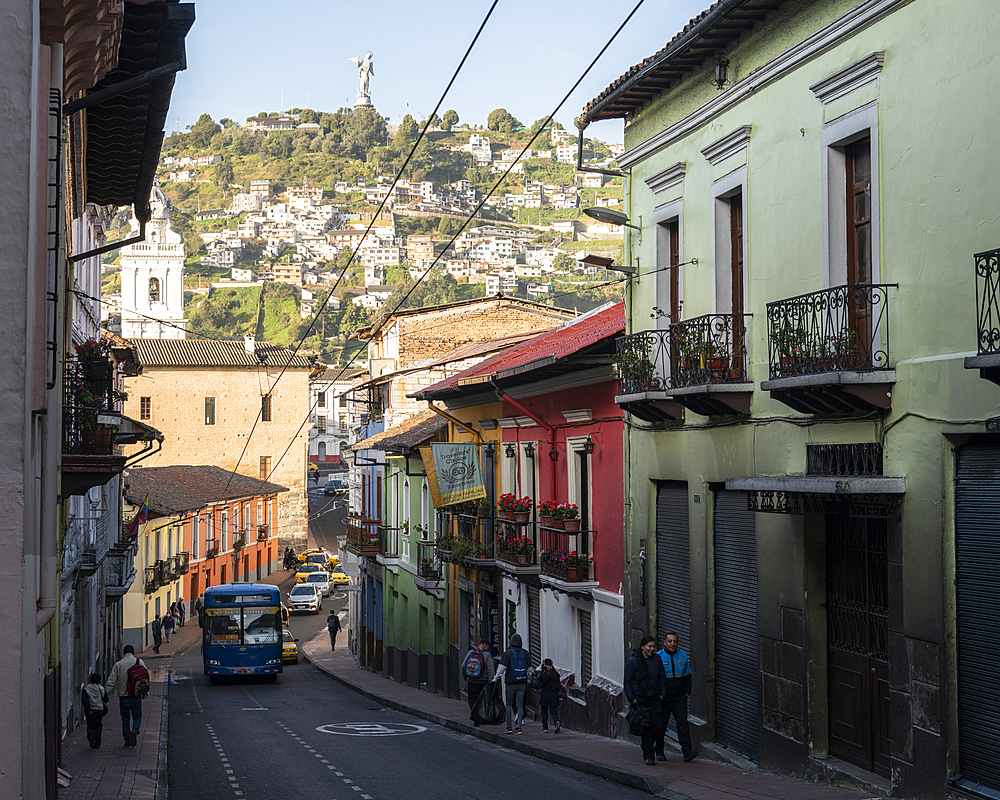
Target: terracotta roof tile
{"x": 210, "y": 353}
{"x": 418, "y": 428}
{"x": 180, "y": 488}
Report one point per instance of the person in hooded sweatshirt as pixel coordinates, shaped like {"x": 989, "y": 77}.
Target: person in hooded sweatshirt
{"x": 514, "y": 670}
{"x": 645, "y": 686}
{"x": 93, "y": 698}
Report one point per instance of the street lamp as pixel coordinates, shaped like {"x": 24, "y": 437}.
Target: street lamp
{"x": 529, "y": 450}
{"x": 588, "y": 446}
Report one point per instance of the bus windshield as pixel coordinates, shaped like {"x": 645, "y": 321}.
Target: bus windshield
{"x": 248, "y": 625}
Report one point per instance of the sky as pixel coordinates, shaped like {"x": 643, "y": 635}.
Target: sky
{"x": 246, "y": 56}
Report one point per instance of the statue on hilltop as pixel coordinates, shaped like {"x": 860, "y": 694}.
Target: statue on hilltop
{"x": 365, "y": 71}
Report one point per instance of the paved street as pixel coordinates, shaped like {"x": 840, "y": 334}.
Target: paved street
{"x": 327, "y": 517}
{"x": 255, "y": 740}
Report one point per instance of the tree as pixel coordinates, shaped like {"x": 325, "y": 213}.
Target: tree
{"x": 354, "y": 317}
{"x": 224, "y": 174}
{"x": 449, "y": 119}
{"x": 203, "y": 131}
{"x": 502, "y": 121}
{"x": 563, "y": 263}
{"x": 308, "y": 115}
{"x": 406, "y": 133}
{"x": 226, "y": 122}
{"x": 365, "y": 128}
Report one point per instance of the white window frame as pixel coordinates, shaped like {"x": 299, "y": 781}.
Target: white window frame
{"x": 224, "y": 536}
{"x": 662, "y": 217}
{"x": 576, "y": 445}
{"x": 836, "y": 135}
{"x": 723, "y": 189}
{"x": 195, "y": 538}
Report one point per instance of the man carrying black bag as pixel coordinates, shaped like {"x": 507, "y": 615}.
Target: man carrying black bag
{"x": 478, "y": 670}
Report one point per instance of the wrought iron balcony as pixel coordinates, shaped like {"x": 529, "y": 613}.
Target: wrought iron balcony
{"x": 263, "y": 532}
{"x": 150, "y": 584}
{"x": 211, "y": 548}
{"x": 161, "y": 572}
{"x": 388, "y": 542}
{"x": 708, "y": 349}
{"x": 90, "y": 408}
{"x": 430, "y": 571}
{"x": 987, "y": 358}
{"x": 362, "y": 536}
{"x": 517, "y": 547}
{"x": 835, "y": 329}
{"x": 182, "y": 563}
{"x": 565, "y": 555}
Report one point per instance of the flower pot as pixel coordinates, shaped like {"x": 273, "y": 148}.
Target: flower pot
{"x": 571, "y": 524}
{"x": 510, "y": 514}
{"x": 574, "y": 574}
{"x": 546, "y": 522}
{"x": 522, "y": 516}
{"x": 557, "y": 523}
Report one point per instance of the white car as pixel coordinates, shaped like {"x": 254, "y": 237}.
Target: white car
{"x": 305, "y": 597}
{"x": 321, "y": 580}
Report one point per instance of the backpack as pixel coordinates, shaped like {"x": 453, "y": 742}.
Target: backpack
{"x": 137, "y": 680}
{"x": 518, "y": 666}
{"x": 474, "y": 666}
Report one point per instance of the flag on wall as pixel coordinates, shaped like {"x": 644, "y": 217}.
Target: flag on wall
{"x": 453, "y": 472}
{"x": 139, "y": 519}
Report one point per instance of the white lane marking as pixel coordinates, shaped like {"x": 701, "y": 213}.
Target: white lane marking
{"x": 371, "y": 729}
{"x": 318, "y": 755}
{"x": 233, "y": 783}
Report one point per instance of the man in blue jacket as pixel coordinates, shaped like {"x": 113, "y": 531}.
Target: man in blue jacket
{"x": 677, "y": 667}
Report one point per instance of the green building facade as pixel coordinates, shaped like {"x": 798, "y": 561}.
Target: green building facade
{"x": 810, "y": 482}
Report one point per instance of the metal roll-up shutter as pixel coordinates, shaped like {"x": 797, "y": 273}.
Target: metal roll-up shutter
{"x": 586, "y": 648}
{"x": 673, "y": 563}
{"x": 534, "y": 627}
{"x": 977, "y": 566}
{"x": 736, "y": 660}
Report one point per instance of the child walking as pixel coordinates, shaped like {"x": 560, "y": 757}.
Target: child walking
{"x": 550, "y": 692}
{"x": 94, "y": 700}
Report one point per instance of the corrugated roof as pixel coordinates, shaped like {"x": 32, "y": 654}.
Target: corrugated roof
{"x": 334, "y": 374}
{"x": 210, "y": 353}
{"x": 418, "y": 428}
{"x": 547, "y": 347}
{"x": 705, "y": 36}
{"x": 180, "y": 488}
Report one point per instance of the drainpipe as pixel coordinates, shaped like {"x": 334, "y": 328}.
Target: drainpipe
{"x": 47, "y": 428}
{"x": 581, "y": 127}
{"x": 540, "y": 421}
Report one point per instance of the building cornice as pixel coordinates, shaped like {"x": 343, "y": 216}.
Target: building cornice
{"x": 850, "y": 78}
{"x": 668, "y": 178}
{"x": 817, "y": 43}
{"x": 728, "y": 145}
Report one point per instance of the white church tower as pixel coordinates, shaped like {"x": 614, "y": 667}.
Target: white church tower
{"x": 152, "y": 274}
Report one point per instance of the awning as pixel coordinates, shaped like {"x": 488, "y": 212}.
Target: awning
{"x": 819, "y": 484}
{"x": 856, "y": 496}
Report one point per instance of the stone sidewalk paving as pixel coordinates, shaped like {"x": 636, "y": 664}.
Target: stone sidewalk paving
{"x": 115, "y": 772}
{"x": 616, "y": 761}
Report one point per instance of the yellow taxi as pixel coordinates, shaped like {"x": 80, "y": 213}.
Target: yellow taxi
{"x": 289, "y": 650}
{"x": 321, "y": 557}
{"x": 305, "y": 570}
{"x": 338, "y": 577}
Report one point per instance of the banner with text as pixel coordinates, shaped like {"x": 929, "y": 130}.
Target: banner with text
{"x": 453, "y": 472}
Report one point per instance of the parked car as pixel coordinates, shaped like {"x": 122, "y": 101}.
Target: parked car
{"x": 305, "y": 597}
{"x": 289, "y": 650}
{"x": 335, "y": 486}
{"x": 321, "y": 580}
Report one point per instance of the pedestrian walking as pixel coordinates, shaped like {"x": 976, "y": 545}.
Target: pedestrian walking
{"x": 677, "y": 669}
{"x": 199, "y": 609}
{"x": 95, "y": 706}
{"x": 514, "y": 670}
{"x": 156, "y": 628}
{"x": 333, "y": 625}
{"x": 129, "y": 679}
{"x": 550, "y": 692}
{"x": 181, "y": 612}
{"x": 478, "y": 669}
{"x": 645, "y": 683}
{"x": 168, "y": 626}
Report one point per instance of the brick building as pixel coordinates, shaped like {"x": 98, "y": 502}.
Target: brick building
{"x": 206, "y": 526}
{"x": 235, "y": 405}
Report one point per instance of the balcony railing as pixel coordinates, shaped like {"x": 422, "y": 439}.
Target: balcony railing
{"x": 837, "y": 329}
{"x": 428, "y": 564}
{"x": 263, "y": 531}
{"x": 161, "y": 572}
{"x": 89, "y": 407}
{"x": 150, "y": 584}
{"x": 988, "y": 302}
{"x": 565, "y": 555}
{"x": 693, "y": 352}
{"x": 362, "y": 536}
{"x": 180, "y": 563}
{"x": 211, "y": 548}
{"x": 388, "y": 541}
{"x": 517, "y": 545}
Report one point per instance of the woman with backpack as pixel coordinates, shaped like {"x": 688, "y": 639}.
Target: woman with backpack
{"x": 645, "y": 685}
{"x": 550, "y": 692}
{"x": 478, "y": 670}
{"x": 95, "y": 706}
{"x": 514, "y": 671}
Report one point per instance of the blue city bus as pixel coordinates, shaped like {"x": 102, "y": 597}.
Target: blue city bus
{"x": 242, "y": 632}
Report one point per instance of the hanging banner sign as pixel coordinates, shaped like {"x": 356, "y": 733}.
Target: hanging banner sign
{"x": 453, "y": 472}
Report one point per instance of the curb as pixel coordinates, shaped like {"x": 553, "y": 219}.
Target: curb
{"x": 624, "y": 777}
{"x": 161, "y": 758}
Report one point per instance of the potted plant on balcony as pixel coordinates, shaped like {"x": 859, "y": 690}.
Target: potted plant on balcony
{"x": 577, "y": 566}
{"x": 212, "y": 552}
{"x": 506, "y": 505}
{"x": 517, "y": 550}
{"x": 790, "y": 345}
{"x": 484, "y": 507}
{"x": 554, "y": 562}
{"x": 546, "y": 513}
{"x": 427, "y": 568}
{"x": 569, "y": 515}
{"x": 522, "y": 509}
{"x": 445, "y": 544}
{"x": 633, "y": 366}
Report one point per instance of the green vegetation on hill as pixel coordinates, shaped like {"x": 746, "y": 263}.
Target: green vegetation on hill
{"x": 225, "y": 313}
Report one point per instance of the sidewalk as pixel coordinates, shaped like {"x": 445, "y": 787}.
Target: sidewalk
{"x": 612, "y": 760}
{"x": 116, "y": 772}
